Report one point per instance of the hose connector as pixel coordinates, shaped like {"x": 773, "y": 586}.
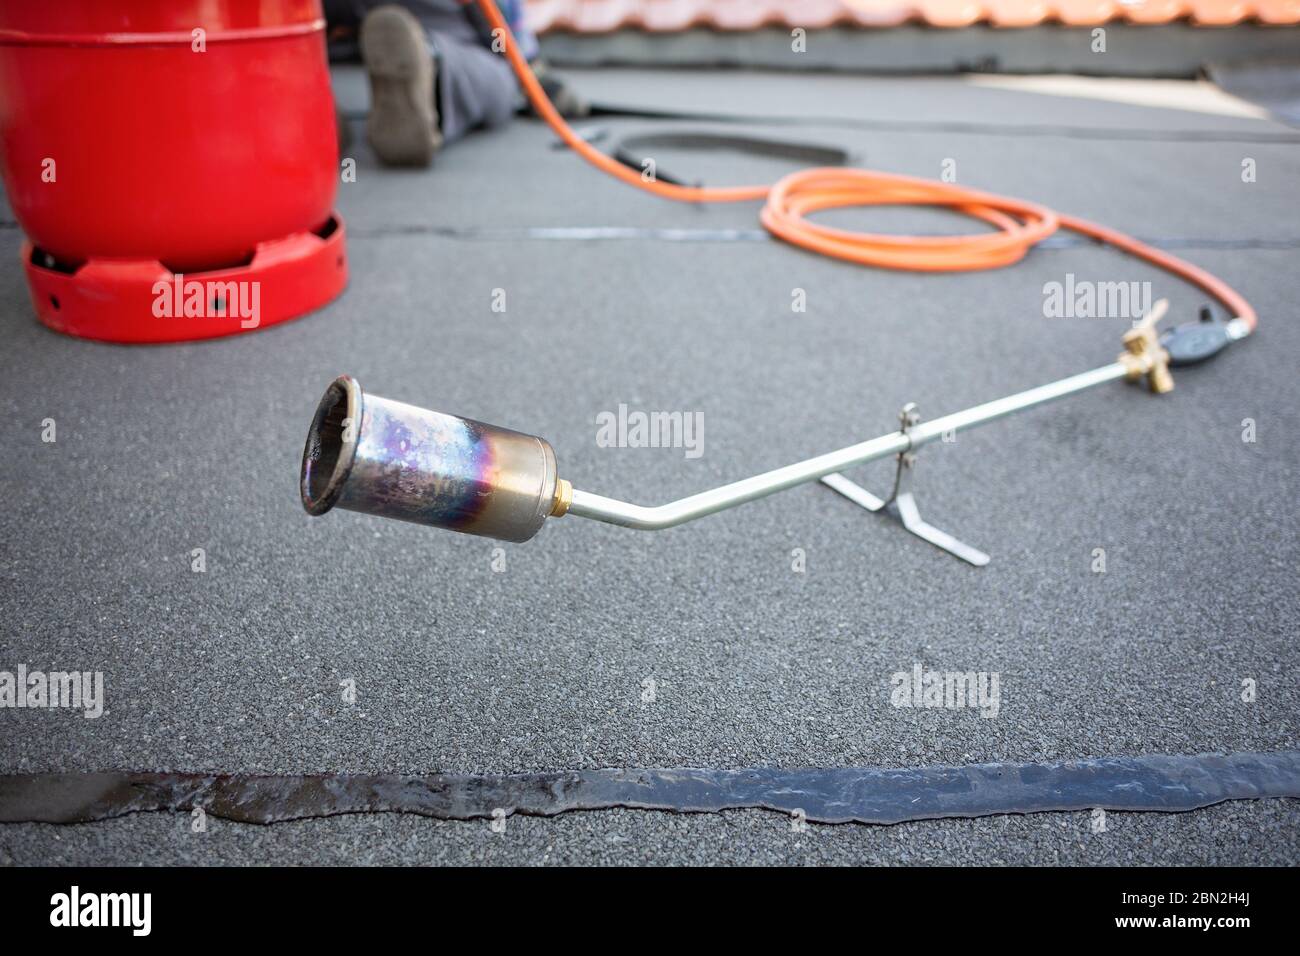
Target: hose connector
{"x": 1144, "y": 356}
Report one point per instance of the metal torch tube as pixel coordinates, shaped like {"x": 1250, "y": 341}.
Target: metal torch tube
{"x": 678, "y": 512}
{"x": 928, "y": 431}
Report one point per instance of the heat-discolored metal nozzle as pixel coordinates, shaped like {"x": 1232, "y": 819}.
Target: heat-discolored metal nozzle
{"x": 366, "y": 453}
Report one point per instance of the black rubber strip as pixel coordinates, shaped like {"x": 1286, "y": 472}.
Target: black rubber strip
{"x": 668, "y": 234}
{"x": 1125, "y": 134}
{"x": 1129, "y": 134}
{"x": 827, "y": 795}
{"x": 632, "y": 151}
{"x": 562, "y": 233}
{"x": 673, "y": 234}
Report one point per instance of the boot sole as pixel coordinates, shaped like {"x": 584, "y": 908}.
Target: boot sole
{"x": 402, "y": 122}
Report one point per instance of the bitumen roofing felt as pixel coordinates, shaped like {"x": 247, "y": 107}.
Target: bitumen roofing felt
{"x": 543, "y": 666}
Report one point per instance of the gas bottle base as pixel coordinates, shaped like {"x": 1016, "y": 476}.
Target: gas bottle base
{"x": 142, "y": 300}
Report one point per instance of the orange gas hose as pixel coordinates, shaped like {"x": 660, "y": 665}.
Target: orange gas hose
{"x": 1020, "y": 224}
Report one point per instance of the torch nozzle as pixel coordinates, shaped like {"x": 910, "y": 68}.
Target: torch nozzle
{"x": 371, "y": 454}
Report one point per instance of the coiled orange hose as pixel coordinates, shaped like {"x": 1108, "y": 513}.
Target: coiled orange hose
{"x": 1020, "y": 224}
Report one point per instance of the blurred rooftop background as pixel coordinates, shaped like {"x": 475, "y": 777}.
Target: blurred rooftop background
{"x": 670, "y": 16}
{"x": 1153, "y": 38}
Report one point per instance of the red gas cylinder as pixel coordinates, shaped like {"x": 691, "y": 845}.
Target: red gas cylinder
{"x": 172, "y": 162}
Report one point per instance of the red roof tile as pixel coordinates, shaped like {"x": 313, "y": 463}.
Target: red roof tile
{"x": 671, "y": 16}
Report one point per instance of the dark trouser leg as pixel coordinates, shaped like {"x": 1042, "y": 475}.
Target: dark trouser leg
{"x": 475, "y": 87}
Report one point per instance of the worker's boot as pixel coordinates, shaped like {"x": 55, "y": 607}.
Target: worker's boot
{"x": 403, "y": 123}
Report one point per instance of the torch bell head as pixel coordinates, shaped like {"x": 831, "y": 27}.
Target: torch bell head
{"x": 370, "y": 454}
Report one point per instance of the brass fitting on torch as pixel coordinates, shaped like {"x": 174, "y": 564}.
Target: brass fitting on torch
{"x": 1144, "y": 355}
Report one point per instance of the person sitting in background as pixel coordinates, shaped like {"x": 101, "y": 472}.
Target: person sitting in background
{"x": 433, "y": 73}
